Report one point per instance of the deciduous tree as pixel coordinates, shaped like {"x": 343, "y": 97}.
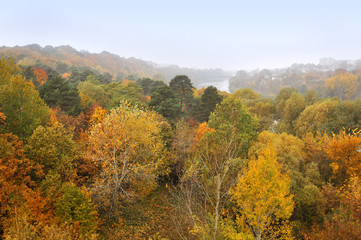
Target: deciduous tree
{"x": 314, "y": 118}
{"x": 344, "y": 151}
{"x": 40, "y": 75}
{"x": 22, "y": 106}
{"x": 262, "y": 196}
{"x": 55, "y": 150}
{"x": 128, "y": 147}
{"x": 15, "y": 176}
{"x": 211, "y": 171}
{"x": 343, "y": 85}
{"x": 75, "y": 207}
{"x": 305, "y": 177}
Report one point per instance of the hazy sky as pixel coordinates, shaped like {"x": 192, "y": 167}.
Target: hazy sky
{"x": 224, "y": 34}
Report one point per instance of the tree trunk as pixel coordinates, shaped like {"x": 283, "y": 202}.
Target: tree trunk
{"x": 219, "y": 184}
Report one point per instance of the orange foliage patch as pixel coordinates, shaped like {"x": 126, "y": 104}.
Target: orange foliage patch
{"x": 126, "y": 81}
{"x": 53, "y": 118}
{"x": 15, "y": 173}
{"x": 39, "y": 207}
{"x": 77, "y": 124}
{"x": 202, "y": 130}
{"x": 345, "y": 152}
{"x": 66, "y": 75}
{"x": 40, "y": 74}
{"x": 147, "y": 98}
{"x": 2, "y": 118}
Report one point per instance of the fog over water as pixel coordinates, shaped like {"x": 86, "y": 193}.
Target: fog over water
{"x": 221, "y": 83}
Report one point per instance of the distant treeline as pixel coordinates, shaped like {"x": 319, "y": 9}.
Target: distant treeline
{"x": 330, "y": 78}
{"x": 64, "y": 58}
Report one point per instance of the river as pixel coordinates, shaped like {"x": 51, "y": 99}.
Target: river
{"x": 221, "y": 83}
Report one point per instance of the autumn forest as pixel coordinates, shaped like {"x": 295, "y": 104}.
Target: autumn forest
{"x": 98, "y": 147}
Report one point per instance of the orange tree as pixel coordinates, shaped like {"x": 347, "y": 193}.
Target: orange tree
{"x": 345, "y": 153}
{"x": 15, "y": 176}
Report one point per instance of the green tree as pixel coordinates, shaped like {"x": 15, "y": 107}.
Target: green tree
{"x": 262, "y": 108}
{"x": 22, "y": 106}
{"x": 55, "y": 150}
{"x": 345, "y": 115}
{"x": 231, "y": 117}
{"x": 149, "y": 86}
{"x": 91, "y": 93}
{"x": 118, "y": 92}
{"x": 209, "y": 100}
{"x": 293, "y": 107}
{"x": 155, "y": 85}
{"x": 281, "y": 99}
{"x": 209, "y": 175}
{"x": 165, "y": 102}
{"x": 182, "y": 86}
{"x": 75, "y": 207}
{"x": 77, "y": 76}
{"x": 56, "y": 91}
{"x": 314, "y": 118}
{"x": 246, "y": 94}
{"x": 211, "y": 172}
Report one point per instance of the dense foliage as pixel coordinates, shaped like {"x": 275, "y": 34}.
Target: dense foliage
{"x": 85, "y": 155}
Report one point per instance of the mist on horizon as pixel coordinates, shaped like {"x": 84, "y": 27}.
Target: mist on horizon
{"x": 230, "y": 35}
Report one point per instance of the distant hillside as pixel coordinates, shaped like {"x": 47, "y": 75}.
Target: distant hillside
{"x": 268, "y": 82}
{"x": 62, "y": 58}
{"x": 303, "y": 77}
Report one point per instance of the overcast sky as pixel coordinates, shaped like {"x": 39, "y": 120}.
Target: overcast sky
{"x": 224, "y": 34}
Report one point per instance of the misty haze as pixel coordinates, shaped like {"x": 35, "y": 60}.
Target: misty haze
{"x": 180, "y": 120}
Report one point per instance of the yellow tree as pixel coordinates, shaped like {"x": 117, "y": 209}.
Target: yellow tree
{"x": 305, "y": 177}
{"x": 344, "y": 151}
{"x": 129, "y": 149}
{"x": 262, "y": 196}
{"x": 343, "y": 85}
{"x": 98, "y": 114}
{"x": 8, "y": 68}
{"x": 315, "y": 117}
